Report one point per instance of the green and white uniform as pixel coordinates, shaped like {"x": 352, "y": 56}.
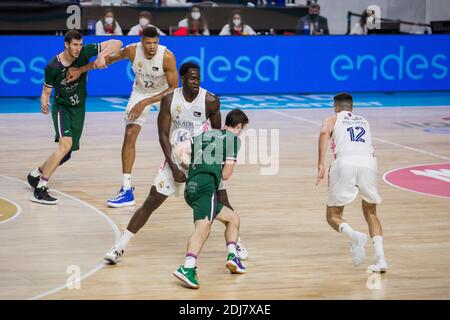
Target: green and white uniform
{"x": 69, "y": 100}
{"x": 209, "y": 152}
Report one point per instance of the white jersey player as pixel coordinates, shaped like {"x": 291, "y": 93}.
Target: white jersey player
{"x": 353, "y": 170}
{"x": 156, "y": 75}
{"x": 184, "y": 113}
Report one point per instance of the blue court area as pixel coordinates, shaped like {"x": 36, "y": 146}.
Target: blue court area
{"x": 247, "y": 102}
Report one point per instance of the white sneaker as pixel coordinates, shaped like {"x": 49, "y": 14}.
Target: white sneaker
{"x": 241, "y": 251}
{"x": 358, "y": 243}
{"x": 380, "y": 265}
{"x": 114, "y": 255}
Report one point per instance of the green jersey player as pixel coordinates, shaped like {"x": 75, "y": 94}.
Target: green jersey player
{"x": 213, "y": 157}
{"x": 68, "y": 107}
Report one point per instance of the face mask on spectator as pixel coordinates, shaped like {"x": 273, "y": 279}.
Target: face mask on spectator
{"x": 143, "y": 22}
{"x": 195, "y": 15}
{"x": 109, "y": 20}
{"x": 237, "y": 22}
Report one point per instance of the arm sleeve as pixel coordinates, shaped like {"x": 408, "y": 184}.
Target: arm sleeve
{"x": 225, "y": 30}
{"x": 99, "y": 31}
{"x": 92, "y": 49}
{"x": 49, "y": 78}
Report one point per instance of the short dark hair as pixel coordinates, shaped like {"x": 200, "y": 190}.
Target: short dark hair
{"x": 314, "y": 6}
{"x": 146, "y": 14}
{"x": 344, "y": 100}
{"x": 72, "y": 34}
{"x": 149, "y": 32}
{"x": 184, "y": 68}
{"x": 235, "y": 117}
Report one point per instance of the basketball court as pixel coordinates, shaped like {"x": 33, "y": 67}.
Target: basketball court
{"x": 293, "y": 253}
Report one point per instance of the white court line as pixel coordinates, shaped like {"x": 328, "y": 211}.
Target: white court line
{"x": 410, "y": 190}
{"x": 19, "y": 211}
{"x": 377, "y": 139}
{"x": 114, "y": 226}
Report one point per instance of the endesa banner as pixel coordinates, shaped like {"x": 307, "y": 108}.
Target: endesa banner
{"x": 255, "y": 65}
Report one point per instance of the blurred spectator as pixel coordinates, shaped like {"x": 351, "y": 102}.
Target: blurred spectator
{"x": 107, "y": 25}
{"x": 361, "y": 26}
{"x": 145, "y": 18}
{"x": 313, "y": 23}
{"x": 195, "y": 22}
{"x": 236, "y": 26}
{"x": 174, "y": 3}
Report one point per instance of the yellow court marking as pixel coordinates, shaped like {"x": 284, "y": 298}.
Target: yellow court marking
{"x": 7, "y": 210}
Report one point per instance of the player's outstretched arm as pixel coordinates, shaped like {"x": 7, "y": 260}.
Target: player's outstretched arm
{"x": 213, "y": 107}
{"x": 164, "y": 122}
{"x": 170, "y": 68}
{"x": 110, "y": 55}
{"x": 324, "y": 137}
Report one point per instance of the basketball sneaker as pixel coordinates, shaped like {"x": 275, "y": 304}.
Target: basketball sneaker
{"x": 241, "y": 251}
{"x": 380, "y": 265}
{"x": 358, "y": 243}
{"x": 114, "y": 255}
{"x": 33, "y": 181}
{"x": 234, "y": 264}
{"x": 124, "y": 197}
{"x": 188, "y": 276}
{"x": 40, "y": 195}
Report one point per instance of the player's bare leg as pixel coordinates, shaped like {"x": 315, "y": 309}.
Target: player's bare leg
{"x": 125, "y": 196}
{"x": 358, "y": 239}
{"x": 129, "y": 147}
{"x": 187, "y": 273}
{"x": 139, "y": 219}
{"x": 222, "y": 197}
{"x": 232, "y": 224}
{"x": 40, "y": 193}
{"x": 376, "y": 232}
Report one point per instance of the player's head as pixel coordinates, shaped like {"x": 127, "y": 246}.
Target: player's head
{"x": 73, "y": 42}
{"x": 190, "y": 76}
{"x": 343, "y": 102}
{"x": 236, "y": 121}
{"x": 150, "y": 40}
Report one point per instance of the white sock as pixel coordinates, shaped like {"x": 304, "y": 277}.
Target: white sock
{"x": 378, "y": 244}
{"x": 126, "y": 181}
{"x": 36, "y": 173}
{"x": 231, "y": 247}
{"x": 345, "y": 228}
{"x": 126, "y": 236}
{"x": 189, "y": 261}
{"x": 42, "y": 182}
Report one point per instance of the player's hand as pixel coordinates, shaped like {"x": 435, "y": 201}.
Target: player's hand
{"x": 100, "y": 62}
{"x": 320, "y": 173}
{"x": 136, "y": 111}
{"x": 178, "y": 175}
{"x": 72, "y": 74}
{"x": 45, "y": 105}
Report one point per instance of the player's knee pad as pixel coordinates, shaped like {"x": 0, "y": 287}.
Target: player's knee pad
{"x": 66, "y": 158}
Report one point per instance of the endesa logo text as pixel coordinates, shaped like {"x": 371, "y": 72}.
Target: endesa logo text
{"x": 395, "y": 66}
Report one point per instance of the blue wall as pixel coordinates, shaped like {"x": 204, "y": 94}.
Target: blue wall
{"x": 256, "y": 64}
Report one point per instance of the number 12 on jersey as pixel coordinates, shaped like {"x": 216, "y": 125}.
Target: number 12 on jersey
{"x": 359, "y": 134}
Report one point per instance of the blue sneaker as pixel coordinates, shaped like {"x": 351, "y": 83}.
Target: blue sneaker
{"x": 122, "y": 199}
{"x": 234, "y": 264}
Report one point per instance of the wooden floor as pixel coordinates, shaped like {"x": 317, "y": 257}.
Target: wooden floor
{"x": 293, "y": 253}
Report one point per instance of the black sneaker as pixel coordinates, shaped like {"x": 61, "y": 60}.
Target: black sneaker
{"x": 33, "y": 181}
{"x": 40, "y": 195}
